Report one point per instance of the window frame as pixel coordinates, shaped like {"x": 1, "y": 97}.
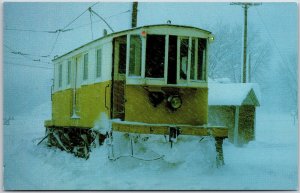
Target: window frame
{"x": 96, "y": 62}
{"x": 189, "y": 82}
{"x": 85, "y": 71}
{"x": 60, "y": 75}
{"x": 69, "y": 72}
{"x": 141, "y": 57}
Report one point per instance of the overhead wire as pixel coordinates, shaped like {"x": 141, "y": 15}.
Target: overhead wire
{"x": 23, "y": 54}
{"x": 79, "y": 16}
{"x": 27, "y": 65}
{"x": 54, "y": 44}
{"x": 97, "y": 21}
{"x": 61, "y": 30}
{"x": 271, "y": 37}
{"x": 90, "y": 9}
{"x": 38, "y": 31}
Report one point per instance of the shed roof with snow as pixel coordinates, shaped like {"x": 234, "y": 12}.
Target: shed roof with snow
{"x": 233, "y": 94}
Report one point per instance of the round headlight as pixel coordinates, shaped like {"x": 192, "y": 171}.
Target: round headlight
{"x": 175, "y": 101}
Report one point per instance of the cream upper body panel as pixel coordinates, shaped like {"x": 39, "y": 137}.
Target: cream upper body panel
{"x": 70, "y": 70}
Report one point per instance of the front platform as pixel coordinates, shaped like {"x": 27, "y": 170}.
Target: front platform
{"x": 164, "y": 129}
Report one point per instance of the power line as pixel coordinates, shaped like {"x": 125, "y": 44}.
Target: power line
{"x": 90, "y": 9}
{"x": 53, "y": 46}
{"x": 23, "y": 54}
{"x": 64, "y": 28}
{"x": 36, "y": 31}
{"x": 27, "y": 65}
{"x": 97, "y": 21}
{"x": 79, "y": 16}
{"x": 271, "y": 37}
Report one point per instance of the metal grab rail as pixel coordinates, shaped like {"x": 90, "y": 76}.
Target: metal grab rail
{"x": 105, "y": 102}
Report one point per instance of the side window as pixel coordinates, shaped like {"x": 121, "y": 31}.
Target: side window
{"x": 155, "y": 56}
{"x": 69, "y": 73}
{"x": 60, "y": 75}
{"x": 135, "y": 59}
{"x": 98, "y": 63}
{"x": 85, "y": 66}
{"x": 184, "y": 50}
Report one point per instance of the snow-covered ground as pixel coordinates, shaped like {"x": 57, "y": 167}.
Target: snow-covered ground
{"x": 269, "y": 162}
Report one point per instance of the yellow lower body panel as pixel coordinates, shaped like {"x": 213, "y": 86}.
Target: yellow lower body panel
{"x": 194, "y": 109}
{"x": 91, "y": 101}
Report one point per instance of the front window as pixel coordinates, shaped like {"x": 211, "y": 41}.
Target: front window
{"x": 135, "y": 59}
{"x": 185, "y": 58}
{"x": 201, "y": 59}
{"x": 198, "y": 59}
{"x": 184, "y": 50}
{"x": 155, "y": 56}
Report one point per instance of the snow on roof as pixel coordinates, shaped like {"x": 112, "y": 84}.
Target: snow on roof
{"x": 233, "y": 94}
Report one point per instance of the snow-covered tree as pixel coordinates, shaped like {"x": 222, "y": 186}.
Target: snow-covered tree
{"x": 225, "y": 59}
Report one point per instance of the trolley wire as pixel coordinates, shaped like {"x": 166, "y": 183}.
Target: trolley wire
{"x": 90, "y": 10}
{"x": 23, "y": 54}
{"x": 28, "y": 65}
{"x": 36, "y": 31}
{"x": 273, "y": 40}
{"x": 53, "y": 46}
{"x": 64, "y": 28}
{"x": 99, "y": 20}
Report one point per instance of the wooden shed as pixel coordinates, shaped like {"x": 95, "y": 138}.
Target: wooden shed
{"x": 234, "y": 105}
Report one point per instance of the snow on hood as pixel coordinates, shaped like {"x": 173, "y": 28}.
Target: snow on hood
{"x": 231, "y": 93}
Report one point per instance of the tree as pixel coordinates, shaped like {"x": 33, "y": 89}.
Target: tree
{"x": 225, "y": 59}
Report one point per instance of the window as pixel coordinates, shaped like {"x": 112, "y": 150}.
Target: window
{"x": 193, "y": 75}
{"x": 184, "y": 50}
{"x": 155, "y": 56}
{"x": 172, "y": 60}
{"x": 98, "y": 64}
{"x": 69, "y": 73}
{"x": 135, "y": 59}
{"x": 60, "y": 75}
{"x": 85, "y": 66}
{"x": 120, "y": 53}
{"x": 201, "y": 59}
{"x": 198, "y": 59}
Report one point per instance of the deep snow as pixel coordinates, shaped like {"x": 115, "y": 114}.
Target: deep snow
{"x": 269, "y": 162}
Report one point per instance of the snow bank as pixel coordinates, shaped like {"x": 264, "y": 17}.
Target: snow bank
{"x": 270, "y": 162}
{"x": 102, "y": 124}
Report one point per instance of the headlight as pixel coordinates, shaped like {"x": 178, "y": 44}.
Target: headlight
{"x": 175, "y": 102}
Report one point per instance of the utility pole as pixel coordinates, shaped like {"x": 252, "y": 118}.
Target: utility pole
{"x": 245, "y": 6}
{"x": 134, "y": 14}
{"x": 249, "y": 68}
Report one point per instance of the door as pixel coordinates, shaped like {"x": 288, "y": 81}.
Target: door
{"x": 118, "y": 78}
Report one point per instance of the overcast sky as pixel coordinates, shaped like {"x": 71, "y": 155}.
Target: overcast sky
{"x": 25, "y": 87}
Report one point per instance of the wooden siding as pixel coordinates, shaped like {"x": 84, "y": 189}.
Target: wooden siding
{"x": 246, "y": 124}
{"x": 225, "y": 116}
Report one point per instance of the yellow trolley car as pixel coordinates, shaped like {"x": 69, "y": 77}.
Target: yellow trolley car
{"x": 147, "y": 80}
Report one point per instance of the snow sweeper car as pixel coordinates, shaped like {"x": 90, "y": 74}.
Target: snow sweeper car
{"x": 146, "y": 80}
